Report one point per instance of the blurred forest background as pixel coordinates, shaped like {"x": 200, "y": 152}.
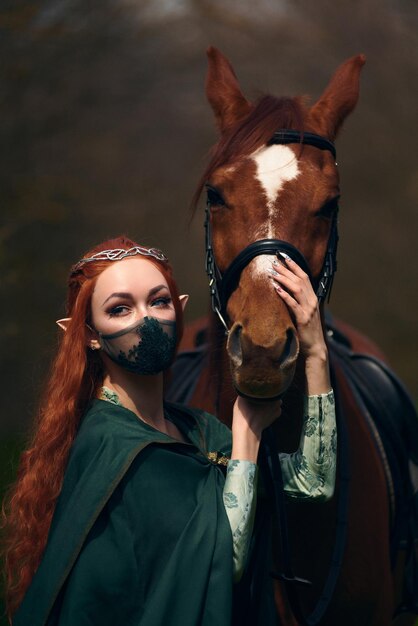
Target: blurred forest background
{"x": 105, "y": 129}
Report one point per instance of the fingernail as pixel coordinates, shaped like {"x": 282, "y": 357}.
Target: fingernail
{"x": 275, "y": 262}
{"x": 285, "y": 256}
{"x": 270, "y": 271}
{"x": 278, "y": 288}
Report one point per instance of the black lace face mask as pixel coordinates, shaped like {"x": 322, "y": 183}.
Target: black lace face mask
{"x": 146, "y": 347}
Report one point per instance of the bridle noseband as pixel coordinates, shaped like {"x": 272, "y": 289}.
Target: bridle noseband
{"x": 222, "y": 285}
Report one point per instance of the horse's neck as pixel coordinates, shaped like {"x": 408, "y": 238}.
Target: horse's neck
{"x": 289, "y": 424}
{"x": 215, "y": 392}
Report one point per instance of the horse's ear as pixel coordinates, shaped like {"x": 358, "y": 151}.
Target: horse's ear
{"x": 223, "y": 91}
{"x": 339, "y": 98}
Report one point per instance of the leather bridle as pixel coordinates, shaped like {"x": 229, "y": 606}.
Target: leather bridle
{"x": 222, "y": 285}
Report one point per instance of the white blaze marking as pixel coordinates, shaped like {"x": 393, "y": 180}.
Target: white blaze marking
{"x": 276, "y": 165}
{"x": 261, "y": 265}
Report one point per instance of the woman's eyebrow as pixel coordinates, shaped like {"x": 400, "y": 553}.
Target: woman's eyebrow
{"x": 118, "y": 294}
{"x": 155, "y": 290}
{"x": 127, "y": 294}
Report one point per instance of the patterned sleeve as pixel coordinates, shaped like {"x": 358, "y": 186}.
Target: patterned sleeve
{"x": 309, "y": 473}
{"x": 239, "y": 497}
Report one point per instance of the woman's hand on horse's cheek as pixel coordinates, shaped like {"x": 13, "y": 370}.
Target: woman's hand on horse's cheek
{"x": 304, "y": 309}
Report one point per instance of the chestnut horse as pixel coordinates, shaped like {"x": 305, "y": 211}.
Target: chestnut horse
{"x": 273, "y": 177}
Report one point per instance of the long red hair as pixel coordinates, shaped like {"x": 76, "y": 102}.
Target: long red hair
{"x": 76, "y": 374}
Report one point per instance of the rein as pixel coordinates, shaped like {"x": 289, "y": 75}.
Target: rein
{"x": 274, "y": 477}
{"x": 222, "y": 285}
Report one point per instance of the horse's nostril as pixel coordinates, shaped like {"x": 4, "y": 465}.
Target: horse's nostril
{"x": 289, "y": 350}
{"x": 234, "y": 345}
{"x": 276, "y": 351}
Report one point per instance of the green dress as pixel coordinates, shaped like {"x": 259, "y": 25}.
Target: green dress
{"x": 140, "y": 536}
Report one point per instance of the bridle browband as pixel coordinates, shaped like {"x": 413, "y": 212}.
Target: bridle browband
{"x": 309, "y": 139}
{"x": 222, "y": 285}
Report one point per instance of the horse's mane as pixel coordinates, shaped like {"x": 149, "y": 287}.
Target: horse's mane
{"x": 267, "y": 115}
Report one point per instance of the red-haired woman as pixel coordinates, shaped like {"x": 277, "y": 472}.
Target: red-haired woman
{"x": 121, "y": 513}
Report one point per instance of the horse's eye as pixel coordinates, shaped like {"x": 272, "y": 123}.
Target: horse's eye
{"x": 213, "y": 197}
{"x": 329, "y": 208}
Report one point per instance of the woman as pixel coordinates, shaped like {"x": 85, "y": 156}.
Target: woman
{"x": 121, "y": 513}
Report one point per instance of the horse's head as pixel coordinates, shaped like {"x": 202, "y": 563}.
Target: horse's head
{"x": 262, "y": 190}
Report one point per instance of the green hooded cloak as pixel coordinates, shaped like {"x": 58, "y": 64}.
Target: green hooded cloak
{"x": 140, "y": 535}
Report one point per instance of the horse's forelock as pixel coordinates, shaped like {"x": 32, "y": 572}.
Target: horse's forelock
{"x": 267, "y": 115}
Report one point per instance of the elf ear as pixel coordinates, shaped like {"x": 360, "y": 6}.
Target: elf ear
{"x": 63, "y": 323}
{"x": 183, "y": 300}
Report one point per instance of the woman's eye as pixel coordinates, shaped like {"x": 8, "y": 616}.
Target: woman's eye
{"x": 161, "y": 302}
{"x": 118, "y": 310}
{"x": 213, "y": 197}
